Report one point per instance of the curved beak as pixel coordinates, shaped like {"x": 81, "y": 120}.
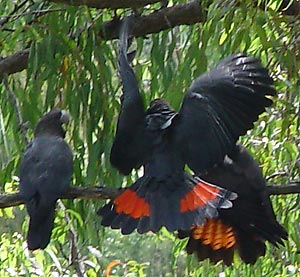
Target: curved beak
{"x": 65, "y": 116}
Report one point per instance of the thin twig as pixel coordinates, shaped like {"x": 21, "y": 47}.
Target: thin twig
{"x": 14, "y": 102}
{"x": 6, "y": 18}
{"x": 182, "y": 14}
{"x": 38, "y": 12}
{"x": 74, "y": 258}
{"x": 276, "y": 174}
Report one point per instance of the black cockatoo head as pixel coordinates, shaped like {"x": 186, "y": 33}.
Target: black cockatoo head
{"x": 51, "y": 124}
{"x": 158, "y": 105}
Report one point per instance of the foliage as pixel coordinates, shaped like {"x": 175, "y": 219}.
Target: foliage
{"x": 71, "y": 67}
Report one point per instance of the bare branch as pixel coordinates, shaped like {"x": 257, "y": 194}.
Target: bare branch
{"x": 292, "y": 188}
{"x": 108, "y": 4}
{"x": 14, "y": 63}
{"x": 37, "y": 12}
{"x": 183, "y": 14}
{"x": 287, "y": 7}
{"x": 14, "y": 199}
{"x": 74, "y": 192}
{"x": 74, "y": 257}
{"x": 10, "y": 200}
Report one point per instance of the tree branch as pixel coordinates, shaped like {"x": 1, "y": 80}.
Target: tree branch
{"x": 108, "y": 4}
{"x": 14, "y": 63}
{"x": 292, "y": 188}
{"x": 74, "y": 192}
{"x": 14, "y": 199}
{"x": 287, "y": 7}
{"x": 183, "y": 14}
{"x": 17, "y": 7}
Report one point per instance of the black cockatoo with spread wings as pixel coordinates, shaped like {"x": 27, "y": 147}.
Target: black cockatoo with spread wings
{"x": 219, "y": 106}
{"x": 45, "y": 174}
{"x": 247, "y": 225}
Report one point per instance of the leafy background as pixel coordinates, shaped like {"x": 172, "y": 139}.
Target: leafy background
{"x": 72, "y": 67}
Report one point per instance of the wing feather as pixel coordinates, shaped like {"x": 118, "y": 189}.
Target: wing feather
{"x": 220, "y": 106}
{"x": 130, "y": 144}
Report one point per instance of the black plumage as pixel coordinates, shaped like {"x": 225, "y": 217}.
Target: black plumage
{"x": 251, "y": 218}
{"x": 45, "y": 174}
{"x": 220, "y": 106}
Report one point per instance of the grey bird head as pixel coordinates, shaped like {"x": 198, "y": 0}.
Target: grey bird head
{"x": 51, "y": 123}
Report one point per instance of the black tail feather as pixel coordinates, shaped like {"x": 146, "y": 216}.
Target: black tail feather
{"x": 40, "y": 225}
{"x": 250, "y": 249}
{"x": 175, "y": 203}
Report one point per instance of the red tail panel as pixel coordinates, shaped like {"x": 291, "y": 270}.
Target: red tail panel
{"x": 131, "y": 204}
{"x": 198, "y": 196}
{"x": 150, "y": 204}
{"x": 215, "y": 234}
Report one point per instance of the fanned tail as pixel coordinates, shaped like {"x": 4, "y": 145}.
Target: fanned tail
{"x": 150, "y": 204}
{"x": 245, "y": 227}
{"x": 214, "y": 240}
{"x": 217, "y": 242}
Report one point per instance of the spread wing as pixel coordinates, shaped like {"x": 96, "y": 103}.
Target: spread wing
{"x": 129, "y": 144}
{"x": 220, "y": 106}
